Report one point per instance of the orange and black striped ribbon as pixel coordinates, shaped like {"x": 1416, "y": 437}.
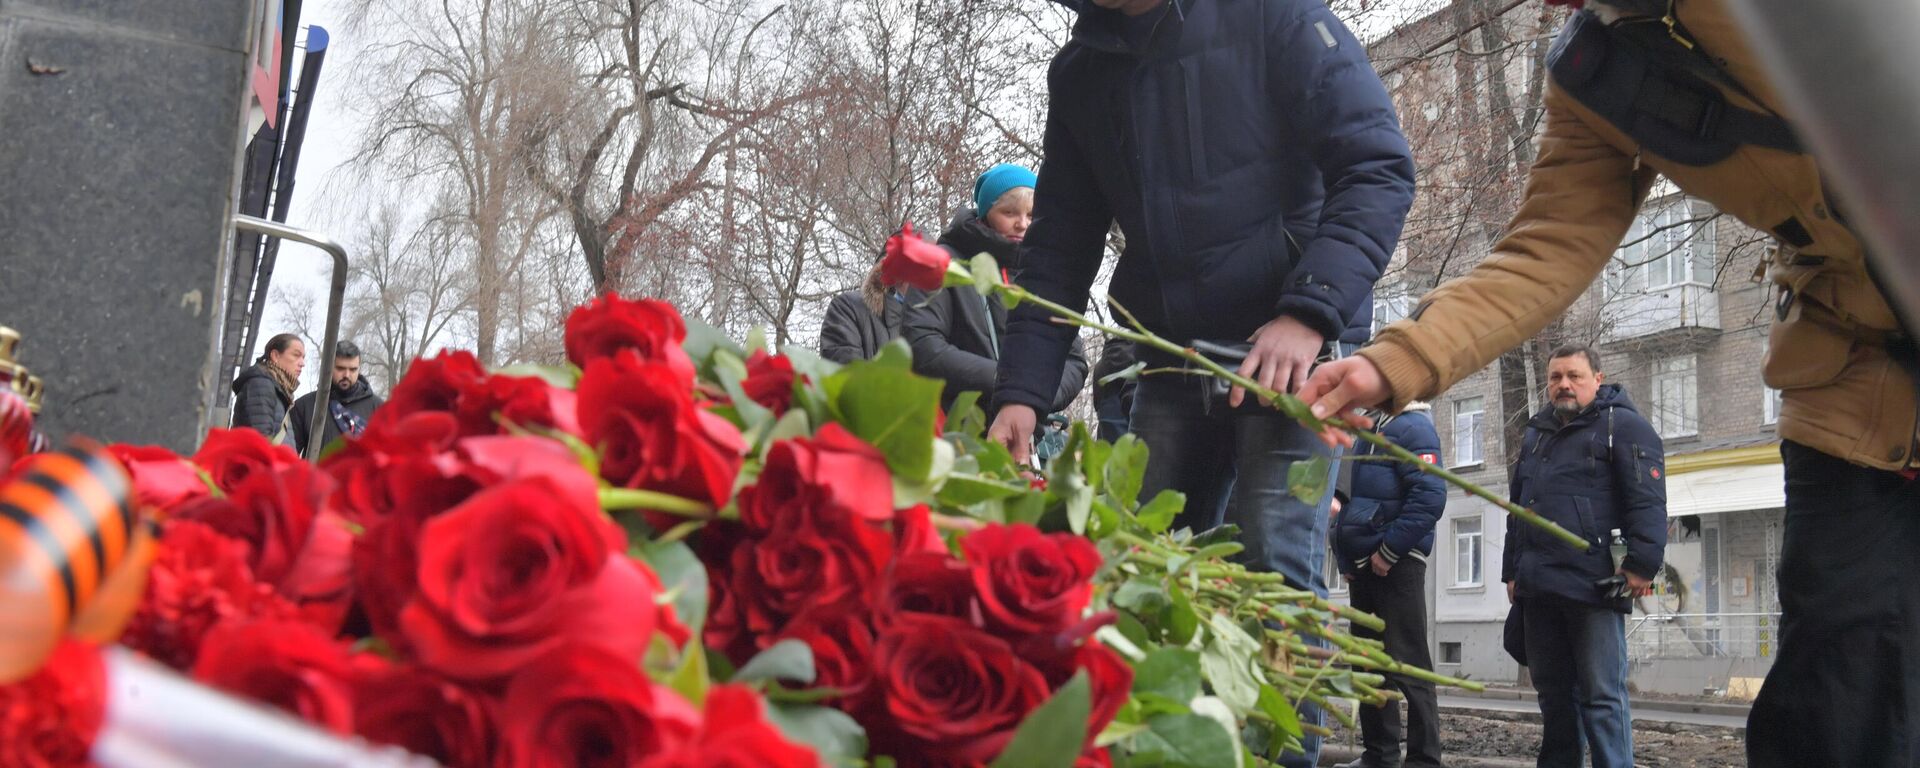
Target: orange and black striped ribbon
{"x": 70, "y": 507}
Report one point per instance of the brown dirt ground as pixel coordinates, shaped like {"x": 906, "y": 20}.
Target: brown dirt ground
{"x": 1656, "y": 745}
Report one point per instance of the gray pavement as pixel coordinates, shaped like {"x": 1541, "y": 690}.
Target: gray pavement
{"x": 1642, "y": 710}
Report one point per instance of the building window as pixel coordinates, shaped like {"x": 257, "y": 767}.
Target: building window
{"x": 1769, "y": 397}
{"x": 1467, "y": 560}
{"x": 1449, "y": 653}
{"x": 1469, "y": 418}
{"x": 1390, "y": 307}
{"x": 1669, "y": 244}
{"x": 1676, "y": 407}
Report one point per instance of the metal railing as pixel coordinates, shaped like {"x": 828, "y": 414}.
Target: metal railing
{"x": 336, "y": 295}
{"x": 1702, "y": 636}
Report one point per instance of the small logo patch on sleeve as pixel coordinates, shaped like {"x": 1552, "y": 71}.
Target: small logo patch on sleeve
{"x": 1430, "y": 458}
{"x": 1654, "y": 472}
{"x": 1326, "y": 35}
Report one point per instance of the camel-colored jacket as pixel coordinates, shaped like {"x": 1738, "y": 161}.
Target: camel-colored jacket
{"x": 1843, "y": 395}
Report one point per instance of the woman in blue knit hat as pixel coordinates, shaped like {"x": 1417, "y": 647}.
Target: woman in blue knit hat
{"x": 956, "y": 333}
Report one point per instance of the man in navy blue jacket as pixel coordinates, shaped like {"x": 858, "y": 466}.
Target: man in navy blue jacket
{"x": 1592, "y": 464}
{"x": 1382, "y": 537}
{"x": 1253, "y": 161}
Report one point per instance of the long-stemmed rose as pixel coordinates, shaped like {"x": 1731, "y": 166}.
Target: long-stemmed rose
{"x": 651, "y": 434}
{"x": 582, "y": 705}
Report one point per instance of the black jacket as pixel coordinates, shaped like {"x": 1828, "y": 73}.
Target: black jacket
{"x": 258, "y": 402}
{"x": 359, "y": 399}
{"x": 955, "y": 332}
{"x": 1603, "y": 470}
{"x": 852, "y": 332}
{"x": 1393, "y": 506}
{"x": 1248, "y": 152}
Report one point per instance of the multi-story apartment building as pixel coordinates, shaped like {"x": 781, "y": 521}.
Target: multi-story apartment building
{"x": 1680, "y": 323}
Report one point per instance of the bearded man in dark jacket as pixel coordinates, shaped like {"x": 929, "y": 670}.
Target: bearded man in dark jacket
{"x": 351, "y": 405}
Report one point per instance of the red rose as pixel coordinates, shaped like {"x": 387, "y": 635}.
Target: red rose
{"x": 295, "y": 542}
{"x": 199, "y": 578}
{"x": 836, "y": 563}
{"x": 581, "y": 705}
{"x": 423, "y": 714}
{"x": 951, "y": 690}
{"x": 287, "y": 664}
{"x": 1029, "y": 582}
{"x": 51, "y": 718}
{"x": 769, "y": 381}
{"x": 651, "y": 435}
{"x": 842, "y": 644}
{"x": 162, "y": 479}
{"x": 912, "y": 260}
{"x": 913, "y": 531}
{"x": 1110, "y": 681}
{"x": 735, "y": 734}
{"x": 806, "y": 481}
{"x": 486, "y": 406}
{"x": 927, "y": 583}
{"x": 230, "y": 456}
{"x": 610, "y": 324}
{"x": 520, "y": 569}
{"x": 398, "y": 493}
{"x": 432, "y": 384}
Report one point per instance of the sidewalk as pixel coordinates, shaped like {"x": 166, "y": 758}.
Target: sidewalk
{"x": 1650, "y": 706}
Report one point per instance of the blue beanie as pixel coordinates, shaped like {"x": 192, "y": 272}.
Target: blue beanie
{"x": 996, "y": 182}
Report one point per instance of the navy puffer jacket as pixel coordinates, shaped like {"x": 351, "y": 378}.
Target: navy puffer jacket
{"x": 1604, "y": 469}
{"x": 1248, "y": 152}
{"x": 1393, "y": 506}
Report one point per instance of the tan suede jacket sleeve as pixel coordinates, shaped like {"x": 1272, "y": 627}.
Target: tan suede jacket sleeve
{"x": 1581, "y": 196}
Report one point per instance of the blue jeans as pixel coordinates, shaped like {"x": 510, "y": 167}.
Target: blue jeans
{"x": 1232, "y": 465}
{"x": 1577, "y": 654}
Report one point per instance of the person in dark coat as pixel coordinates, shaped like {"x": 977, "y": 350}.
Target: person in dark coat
{"x": 1113, "y": 400}
{"x": 1382, "y": 538}
{"x": 263, "y": 392}
{"x": 351, "y": 404}
{"x": 1592, "y": 464}
{"x": 858, "y": 323}
{"x": 955, "y": 332}
{"x": 1254, "y": 163}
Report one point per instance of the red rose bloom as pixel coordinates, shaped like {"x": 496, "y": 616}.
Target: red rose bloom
{"x": 842, "y": 644}
{"x": 914, "y": 261}
{"x": 1029, "y": 582}
{"x": 1110, "y": 681}
{"x": 769, "y": 381}
{"x": 432, "y": 384}
{"x": 610, "y": 324}
{"x": 913, "y": 531}
{"x": 520, "y": 569}
{"x": 423, "y": 714}
{"x": 951, "y": 690}
{"x": 927, "y": 583}
{"x": 51, "y": 718}
{"x": 199, "y": 579}
{"x": 230, "y": 456}
{"x": 287, "y": 664}
{"x": 398, "y": 493}
{"x": 162, "y": 479}
{"x": 1094, "y": 758}
{"x": 808, "y": 481}
{"x": 832, "y": 564}
{"x": 581, "y": 705}
{"x": 295, "y": 542}
{"x": 486, "y": 406}
{"x": 735, "y": 734}
{"x": 651, "y": 435}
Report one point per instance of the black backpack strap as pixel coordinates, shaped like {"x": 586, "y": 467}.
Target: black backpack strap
{"x": 1658, "y": 92}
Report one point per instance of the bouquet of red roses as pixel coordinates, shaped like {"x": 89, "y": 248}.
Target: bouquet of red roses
{"x": 678, "y": 551}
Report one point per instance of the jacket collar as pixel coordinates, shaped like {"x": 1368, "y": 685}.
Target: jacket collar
{"x": 1104, "y": 30}
{"x": 1609, "y": 397}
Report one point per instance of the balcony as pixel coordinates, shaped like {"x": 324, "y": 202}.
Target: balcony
{"x": 1686, "y": 312}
